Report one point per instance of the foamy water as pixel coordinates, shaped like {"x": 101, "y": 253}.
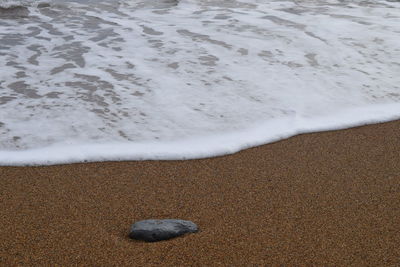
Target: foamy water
{"x": 135, "y": 80}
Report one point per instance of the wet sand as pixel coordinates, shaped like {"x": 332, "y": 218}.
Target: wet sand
{"x": 330, "y": 199}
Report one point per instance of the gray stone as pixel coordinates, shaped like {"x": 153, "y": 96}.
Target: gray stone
{"x": 157, "y": 230}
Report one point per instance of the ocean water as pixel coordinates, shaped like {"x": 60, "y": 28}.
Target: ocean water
{"x": 180, "y": 79}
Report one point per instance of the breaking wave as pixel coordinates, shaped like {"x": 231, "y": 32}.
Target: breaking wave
{"x": 133, "y": 80}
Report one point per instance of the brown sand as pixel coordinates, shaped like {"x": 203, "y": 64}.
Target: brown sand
{"x": 325, "y": 199}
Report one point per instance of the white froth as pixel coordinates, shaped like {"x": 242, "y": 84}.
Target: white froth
{"x": 16, "y": 3}
{"x": 188, "y": 79}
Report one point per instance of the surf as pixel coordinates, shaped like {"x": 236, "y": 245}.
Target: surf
{"x": 136, "y": 80}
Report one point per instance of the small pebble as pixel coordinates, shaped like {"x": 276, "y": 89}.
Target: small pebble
{"x": 157, "y": 230}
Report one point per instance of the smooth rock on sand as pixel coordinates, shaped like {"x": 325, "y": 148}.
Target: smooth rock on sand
{"x": 157, "y": 230}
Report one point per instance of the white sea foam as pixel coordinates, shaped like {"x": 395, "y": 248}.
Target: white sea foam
{"x": 135, "y": 80}
{"x": 16, "y": 3}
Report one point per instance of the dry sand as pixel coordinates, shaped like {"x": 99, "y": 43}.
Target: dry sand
{"x": 325, "y": 199}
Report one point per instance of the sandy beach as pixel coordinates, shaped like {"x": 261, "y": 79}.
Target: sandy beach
{"x": 320, "y": 199}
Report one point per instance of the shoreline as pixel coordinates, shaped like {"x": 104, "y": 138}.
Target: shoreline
{"x": 327, "y": 198}
{"x": 200, "y": 147}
